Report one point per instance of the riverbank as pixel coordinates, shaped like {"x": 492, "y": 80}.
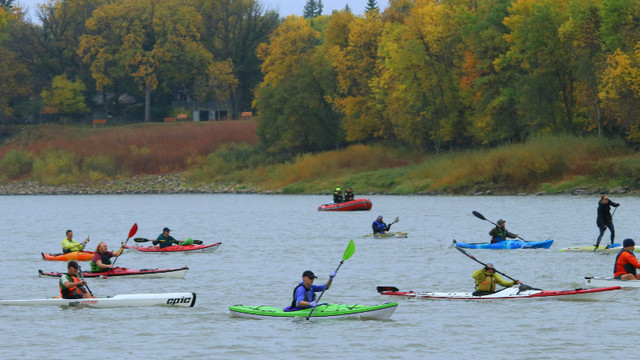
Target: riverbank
{"x": 176, "y": 184}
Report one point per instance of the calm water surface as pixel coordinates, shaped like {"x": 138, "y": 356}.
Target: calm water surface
{"x": 269, "y": 240}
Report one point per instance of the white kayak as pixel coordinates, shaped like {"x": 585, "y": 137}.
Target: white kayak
{"x": 514, "y": 292}
{"x": 123, "y": 300}
{"x": 615, "y": 248}
{"x": 593, "y": 281}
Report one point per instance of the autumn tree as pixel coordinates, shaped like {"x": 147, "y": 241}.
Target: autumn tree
{"x": 232, "y": 31}
{"x": 65, "y": 98}
{"x": 13, "y": 72}
{"x": 292, "y": 100}
{"x": 154, "y": 42}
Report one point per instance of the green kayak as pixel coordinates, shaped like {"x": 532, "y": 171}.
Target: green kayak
{"x": 367, "y": 312}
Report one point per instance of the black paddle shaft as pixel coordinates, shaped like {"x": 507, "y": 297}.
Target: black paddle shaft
{"x": 481, "y": 217}
{"x": 485, "y": 265}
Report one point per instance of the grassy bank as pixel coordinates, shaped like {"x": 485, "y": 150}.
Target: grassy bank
{"x": 227, "y": 153}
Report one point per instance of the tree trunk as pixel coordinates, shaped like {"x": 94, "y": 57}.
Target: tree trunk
{"x": 147, "y": 103}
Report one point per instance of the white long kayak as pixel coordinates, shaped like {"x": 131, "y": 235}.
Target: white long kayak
{"x": 593, "y": 281}
{"x": 514, "y": 292}
{"x": 615, "y": 248}
{"x": 122, "y": 300}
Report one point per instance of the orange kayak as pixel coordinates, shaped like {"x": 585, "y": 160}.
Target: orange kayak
{"x": 74, "y": 255}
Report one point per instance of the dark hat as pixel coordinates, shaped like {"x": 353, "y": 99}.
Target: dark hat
{"x": 628, "y": 242}
{"x": 73, "y": 264}
{"x": 309, "y": 274}
{"x": 166, "y": 229}
{"x": 501, "y": 221}
{"x": 379, "y": 217}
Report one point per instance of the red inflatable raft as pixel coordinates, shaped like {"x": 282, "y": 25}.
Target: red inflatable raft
{"x": 353, "y": 205}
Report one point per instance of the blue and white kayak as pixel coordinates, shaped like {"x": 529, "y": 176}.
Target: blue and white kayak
{"x": 506, "y": 244}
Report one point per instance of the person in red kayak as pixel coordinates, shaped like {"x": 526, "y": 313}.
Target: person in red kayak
{"x": 626, "y": 262}
{"x": 69, "y": 244}
{"x": 165, "y": 240}
{"x": 500, "y": 233}
{"x": 486, "y": 280}
{"x": 102, "y": 258}
{"x": 71, "y": 286}
{"x": 304, "y": 295}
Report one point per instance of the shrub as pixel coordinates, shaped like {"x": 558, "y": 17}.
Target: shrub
{"x": 56, "y": 167}
{"x": 16, "y": 163}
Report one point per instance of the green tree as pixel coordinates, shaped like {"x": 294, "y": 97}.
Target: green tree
{"x": 312, "y": 8}
{"x": 13, "y": 73}
{"x": 66, "y": 98}
{"x": 371, "y": 5}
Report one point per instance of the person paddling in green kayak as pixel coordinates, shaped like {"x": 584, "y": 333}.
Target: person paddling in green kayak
{"x": 71, "y": 286}
{"x": 486, "y": 280}
{"x": 304, "y": 295}
{"x": 500, "y": 233}
{"x": 165, "y": 240}
{"x": 102, "y": 258}
{"x": 69, "y": 244}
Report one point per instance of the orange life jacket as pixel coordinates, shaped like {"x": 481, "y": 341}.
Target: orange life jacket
{"x": 75, "y": 290}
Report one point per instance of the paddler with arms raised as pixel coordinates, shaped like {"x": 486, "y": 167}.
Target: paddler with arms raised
{"x": 486, "y": 280}
{"x": 102, "y": 258}
{"x": 69, "y": 244}
{"x": 626, "y": 262}
{"x": 71, "y": 286}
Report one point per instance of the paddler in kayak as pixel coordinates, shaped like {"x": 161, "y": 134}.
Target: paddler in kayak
{"x": 626, "y": 262}
{"x": 165, "y": 240}
{"x": 304, "y": 295}
{"x": 102, "y": 258}
{"x": 486, "y": 280}
{"x": 71, "y": 286}
{"x": 69, "y": 244}
{"x": 500, "y": 233}
{"x": 379, "y": 227}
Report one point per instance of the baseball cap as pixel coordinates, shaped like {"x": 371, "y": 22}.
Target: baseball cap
{"x": 166, "y": 229}
{"x": 309, "y": 274}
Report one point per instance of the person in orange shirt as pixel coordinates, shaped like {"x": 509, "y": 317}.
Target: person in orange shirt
{"x": 626, "y": 262}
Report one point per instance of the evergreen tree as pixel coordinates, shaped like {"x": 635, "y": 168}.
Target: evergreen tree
{"x": 310, "y": 9}
{"x": 371, "y": 4}
{"x": 347, "y": 9}
{"x": 319, "y": 8}
{"x": 6, "y": 4}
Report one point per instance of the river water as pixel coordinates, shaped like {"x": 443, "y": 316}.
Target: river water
{"x": 269, "y": 240}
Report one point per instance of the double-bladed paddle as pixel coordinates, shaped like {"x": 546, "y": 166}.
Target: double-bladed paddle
{"x": 141, "y": 240}
{"x": 348, "y": 252}
{"x": 481, "y": 217}
{"x": 133, "y": 231}
{"x": 82, "y": 278}
{"x": 494, "y": 269}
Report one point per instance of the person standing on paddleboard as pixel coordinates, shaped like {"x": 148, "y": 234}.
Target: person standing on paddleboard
{"x": 500, "y": 233}
{"x": 486, "y": 280}
{"x": 304, "y": 295}
{"x": 605, "y": 219}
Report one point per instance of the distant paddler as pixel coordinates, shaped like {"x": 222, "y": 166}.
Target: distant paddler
{"x": 70, "y": 245}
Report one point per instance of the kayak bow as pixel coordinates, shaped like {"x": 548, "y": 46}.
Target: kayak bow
{"x": 123, "y": 300}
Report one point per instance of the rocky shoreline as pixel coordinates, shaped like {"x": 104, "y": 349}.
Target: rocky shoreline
{"x": 154, "y": 184}
{"x": 175, "y": 184}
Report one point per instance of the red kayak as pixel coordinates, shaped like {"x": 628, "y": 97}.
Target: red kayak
{"x": 176, "y": 248}
{"x": 353, "y": 205}
{"x": 177, "y": 273}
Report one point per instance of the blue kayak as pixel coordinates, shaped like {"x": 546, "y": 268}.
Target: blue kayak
{"x": 507, "y": 244}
